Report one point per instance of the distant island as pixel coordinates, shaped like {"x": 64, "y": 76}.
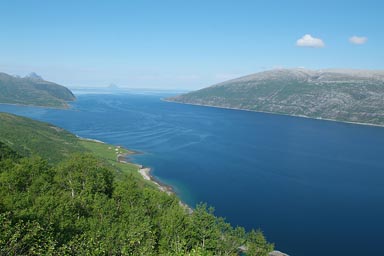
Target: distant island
{"x": 33, "y": 90}
{"x": 336, "y": 94}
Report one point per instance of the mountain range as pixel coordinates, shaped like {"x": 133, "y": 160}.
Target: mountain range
{"x": 335, "y": 94}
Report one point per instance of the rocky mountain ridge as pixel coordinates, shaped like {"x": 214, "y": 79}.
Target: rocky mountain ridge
{"x": 335, "y": 94}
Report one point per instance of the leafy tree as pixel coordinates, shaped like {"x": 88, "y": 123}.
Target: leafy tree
{"x": 173, "y": 226}
{"x": 257, "y": 245}
{"x": 83, "y": 174}
{"x": 231, "y": 240}
{"x": 24, "y": 237}
{"x": 7, "y": 153}
{"x": 204, "y": 232}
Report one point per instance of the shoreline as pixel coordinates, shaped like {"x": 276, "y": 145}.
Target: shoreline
{"x": 273, "y": 113}
{"x": 145, "y": 173}
{"x": 92, "y": 140}
{"x": 65, "y": 107}
{"x": 122, "y": 156}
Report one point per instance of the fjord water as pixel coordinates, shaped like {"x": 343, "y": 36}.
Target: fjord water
{"x": 314, "y": 187}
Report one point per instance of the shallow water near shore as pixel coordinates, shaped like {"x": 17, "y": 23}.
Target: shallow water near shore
{"x": 314, "y": 187}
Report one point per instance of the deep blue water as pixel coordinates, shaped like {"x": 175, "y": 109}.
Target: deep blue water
{"x": 314, "y": 187}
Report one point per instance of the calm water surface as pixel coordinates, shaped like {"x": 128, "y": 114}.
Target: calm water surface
{"x": 314, "y": 187}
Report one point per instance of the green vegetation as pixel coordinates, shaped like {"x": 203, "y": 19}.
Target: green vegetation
{"x": 342, "y": 95}
{"x": 86, "y": 205}
{"x": 29, "y": 137}
{"x": 111, "y": 154}
{"x": 33, "y": 91}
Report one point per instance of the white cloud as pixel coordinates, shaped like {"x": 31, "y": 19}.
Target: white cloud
{"x": 309, "y": 41}
{"x": 358, "y": 40}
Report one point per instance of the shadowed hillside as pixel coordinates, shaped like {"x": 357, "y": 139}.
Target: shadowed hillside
{"x": 33, "y": 90}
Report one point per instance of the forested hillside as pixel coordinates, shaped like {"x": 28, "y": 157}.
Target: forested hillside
{"x": 30, "y": 137}
{"x": 33, "y": 90}
{"x": 80, "y": 206}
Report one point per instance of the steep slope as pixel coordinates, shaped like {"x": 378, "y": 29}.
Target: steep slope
{"x": 29, "y": 137}
{"x": 81, "y": 207}
{"x": 343, "y": 95}
{"x": 33, "y": 90}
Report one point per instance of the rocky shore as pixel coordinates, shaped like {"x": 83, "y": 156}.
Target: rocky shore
{"x": 146, "y": 174}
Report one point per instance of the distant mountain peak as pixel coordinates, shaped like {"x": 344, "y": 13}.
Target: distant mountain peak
{"x": 34, "y": 76}
{"x": 113, "y": 86}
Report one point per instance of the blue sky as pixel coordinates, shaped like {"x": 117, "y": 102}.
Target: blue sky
{"x": 184, "y": 44}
